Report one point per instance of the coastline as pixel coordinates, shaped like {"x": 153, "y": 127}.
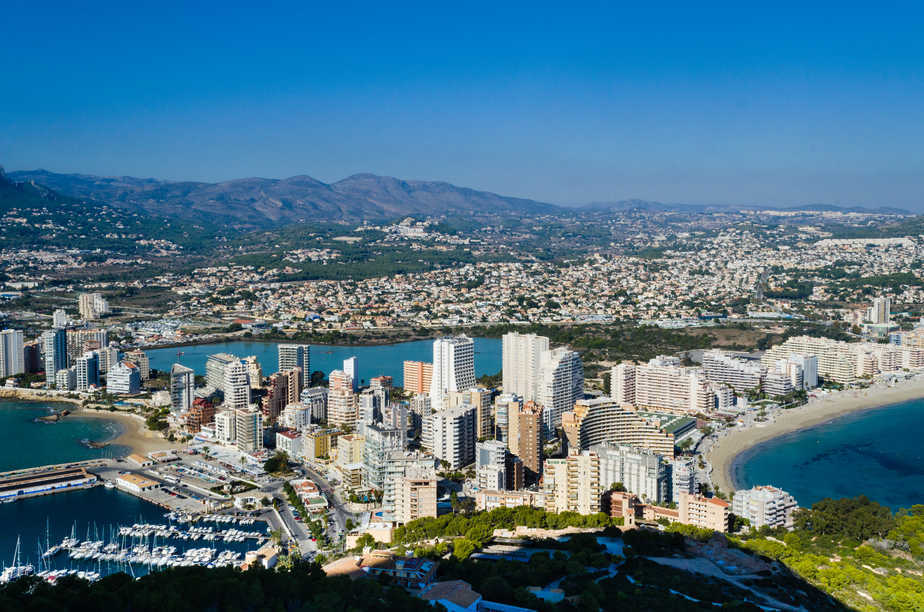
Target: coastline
{"x": 133, "y": 432}
{"x": 724, "y": 454}
{"x": 263, "y": 339}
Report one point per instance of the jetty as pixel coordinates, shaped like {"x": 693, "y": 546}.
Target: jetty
{"x": 45, "y": 482}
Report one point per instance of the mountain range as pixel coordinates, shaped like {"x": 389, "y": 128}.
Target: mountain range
{"x": 261, "y": 202}
{"x": 251, "y": 203}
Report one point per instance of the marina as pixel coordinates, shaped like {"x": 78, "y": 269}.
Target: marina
{"x": 99, "y": 542}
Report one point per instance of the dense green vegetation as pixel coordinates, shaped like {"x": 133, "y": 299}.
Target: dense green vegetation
{"x": 470, "y": 532}
{"x": 278, "y": 463}
{"x": 299, "y": 587}
{"x": 851, "y": 546}
{"x": 605, "y": 581}
{"x": 608, "y": 342}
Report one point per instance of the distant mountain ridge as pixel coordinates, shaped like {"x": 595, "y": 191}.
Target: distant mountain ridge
{"x": 252, "y": 203}
{"x": 261, "y": 202}
{"x": 635, "y": 204}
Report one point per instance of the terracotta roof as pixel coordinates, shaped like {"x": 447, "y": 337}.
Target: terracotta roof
{"x": 718, "y": 502}
{"x": 458, "y": 592}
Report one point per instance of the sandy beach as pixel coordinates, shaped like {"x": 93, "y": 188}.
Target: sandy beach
{"x": 817, "y": 411}
{"x": 135, "y": 433}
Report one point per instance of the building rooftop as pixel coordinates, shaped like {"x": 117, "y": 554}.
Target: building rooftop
{"x": 138, "y": 480}
{"x": 457, "y": 592}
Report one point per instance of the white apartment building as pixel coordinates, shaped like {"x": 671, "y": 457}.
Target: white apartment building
{"x": 379, "y": 443}
{"x": 123, "y": 379}
{"x": 215, "y": 369}
{"x": 54, "y": 342}
{"x": 225, "y": 426}
{"x": 453, "y": 367}
{"x": 683, "y": 477}
{"x": 316, "y": 400}
{"x": 808, "y": 364}
{"x": 236, "y": 385}
{"x": 248, "y": 428}
{"x": 87, "y": 371}
{"x": 182, "y": 388}
{"x": 741, "y": 374}
{"x": 341, "y": 408}
{"x": 490, "y": 452}
{"x": 254, "y": 371}
{"x": 844, "y": 362}
{"x": 11, "y": 353}
{"x": 92, "y": 305}
{"x": 452, "y": 432}
{"x": 351, "y": 367}
{"x": 66, "y": 379}
{"x": 664, "y": 384}
{"x": 765, "y": 505}
{"x": 296, "y": 416}
{"x": 622, "y": 384}
{"x": 59, "y": 318}
{"x": 641, "y": 471}
{"x": 291, "y": 443}
{"x": 561, "y": 384}
{"x": 880, "y": 312}
{"x": 521, "y": 357}
{"x": 598, "y": 420}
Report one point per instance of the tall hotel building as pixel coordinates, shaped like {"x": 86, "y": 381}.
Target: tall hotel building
{"x": 561, "y": 384}
{"x": 236, "y": 386}
{"x": 453, "y": 367}
{"x": 552, "y": 378}
{"x": 55, "y": 344}
{"x": 417, "y": 376}
{"x": 182, "y": 388}
{"x": 296, "y": 356}
{"x": 522, "y": 354}
{"x": 11, "y": 353}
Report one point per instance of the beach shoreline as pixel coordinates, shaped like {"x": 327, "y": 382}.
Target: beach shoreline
{"x": 727, "y": 450}
{"x": 133, "y": 432}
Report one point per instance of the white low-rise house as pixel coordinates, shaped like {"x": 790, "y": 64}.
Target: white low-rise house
{"x": 765, "y": 505}
{"x": 291, "y": 443}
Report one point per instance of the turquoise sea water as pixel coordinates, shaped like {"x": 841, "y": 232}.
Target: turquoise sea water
{"x": 27, "y": 443}
{"x": 386, "y": 359}
{"x": 878, "y": 453}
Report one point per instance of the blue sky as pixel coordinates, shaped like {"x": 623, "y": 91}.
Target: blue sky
{"x": 564, "y": 102}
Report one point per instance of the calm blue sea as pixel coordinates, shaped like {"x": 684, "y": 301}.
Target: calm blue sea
{"x": 386, "y": 359}
{"x": 27, "y": 443}
{"x": 878, "y": 453}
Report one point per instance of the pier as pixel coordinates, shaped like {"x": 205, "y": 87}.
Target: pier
{"x": 45, "y": 482}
